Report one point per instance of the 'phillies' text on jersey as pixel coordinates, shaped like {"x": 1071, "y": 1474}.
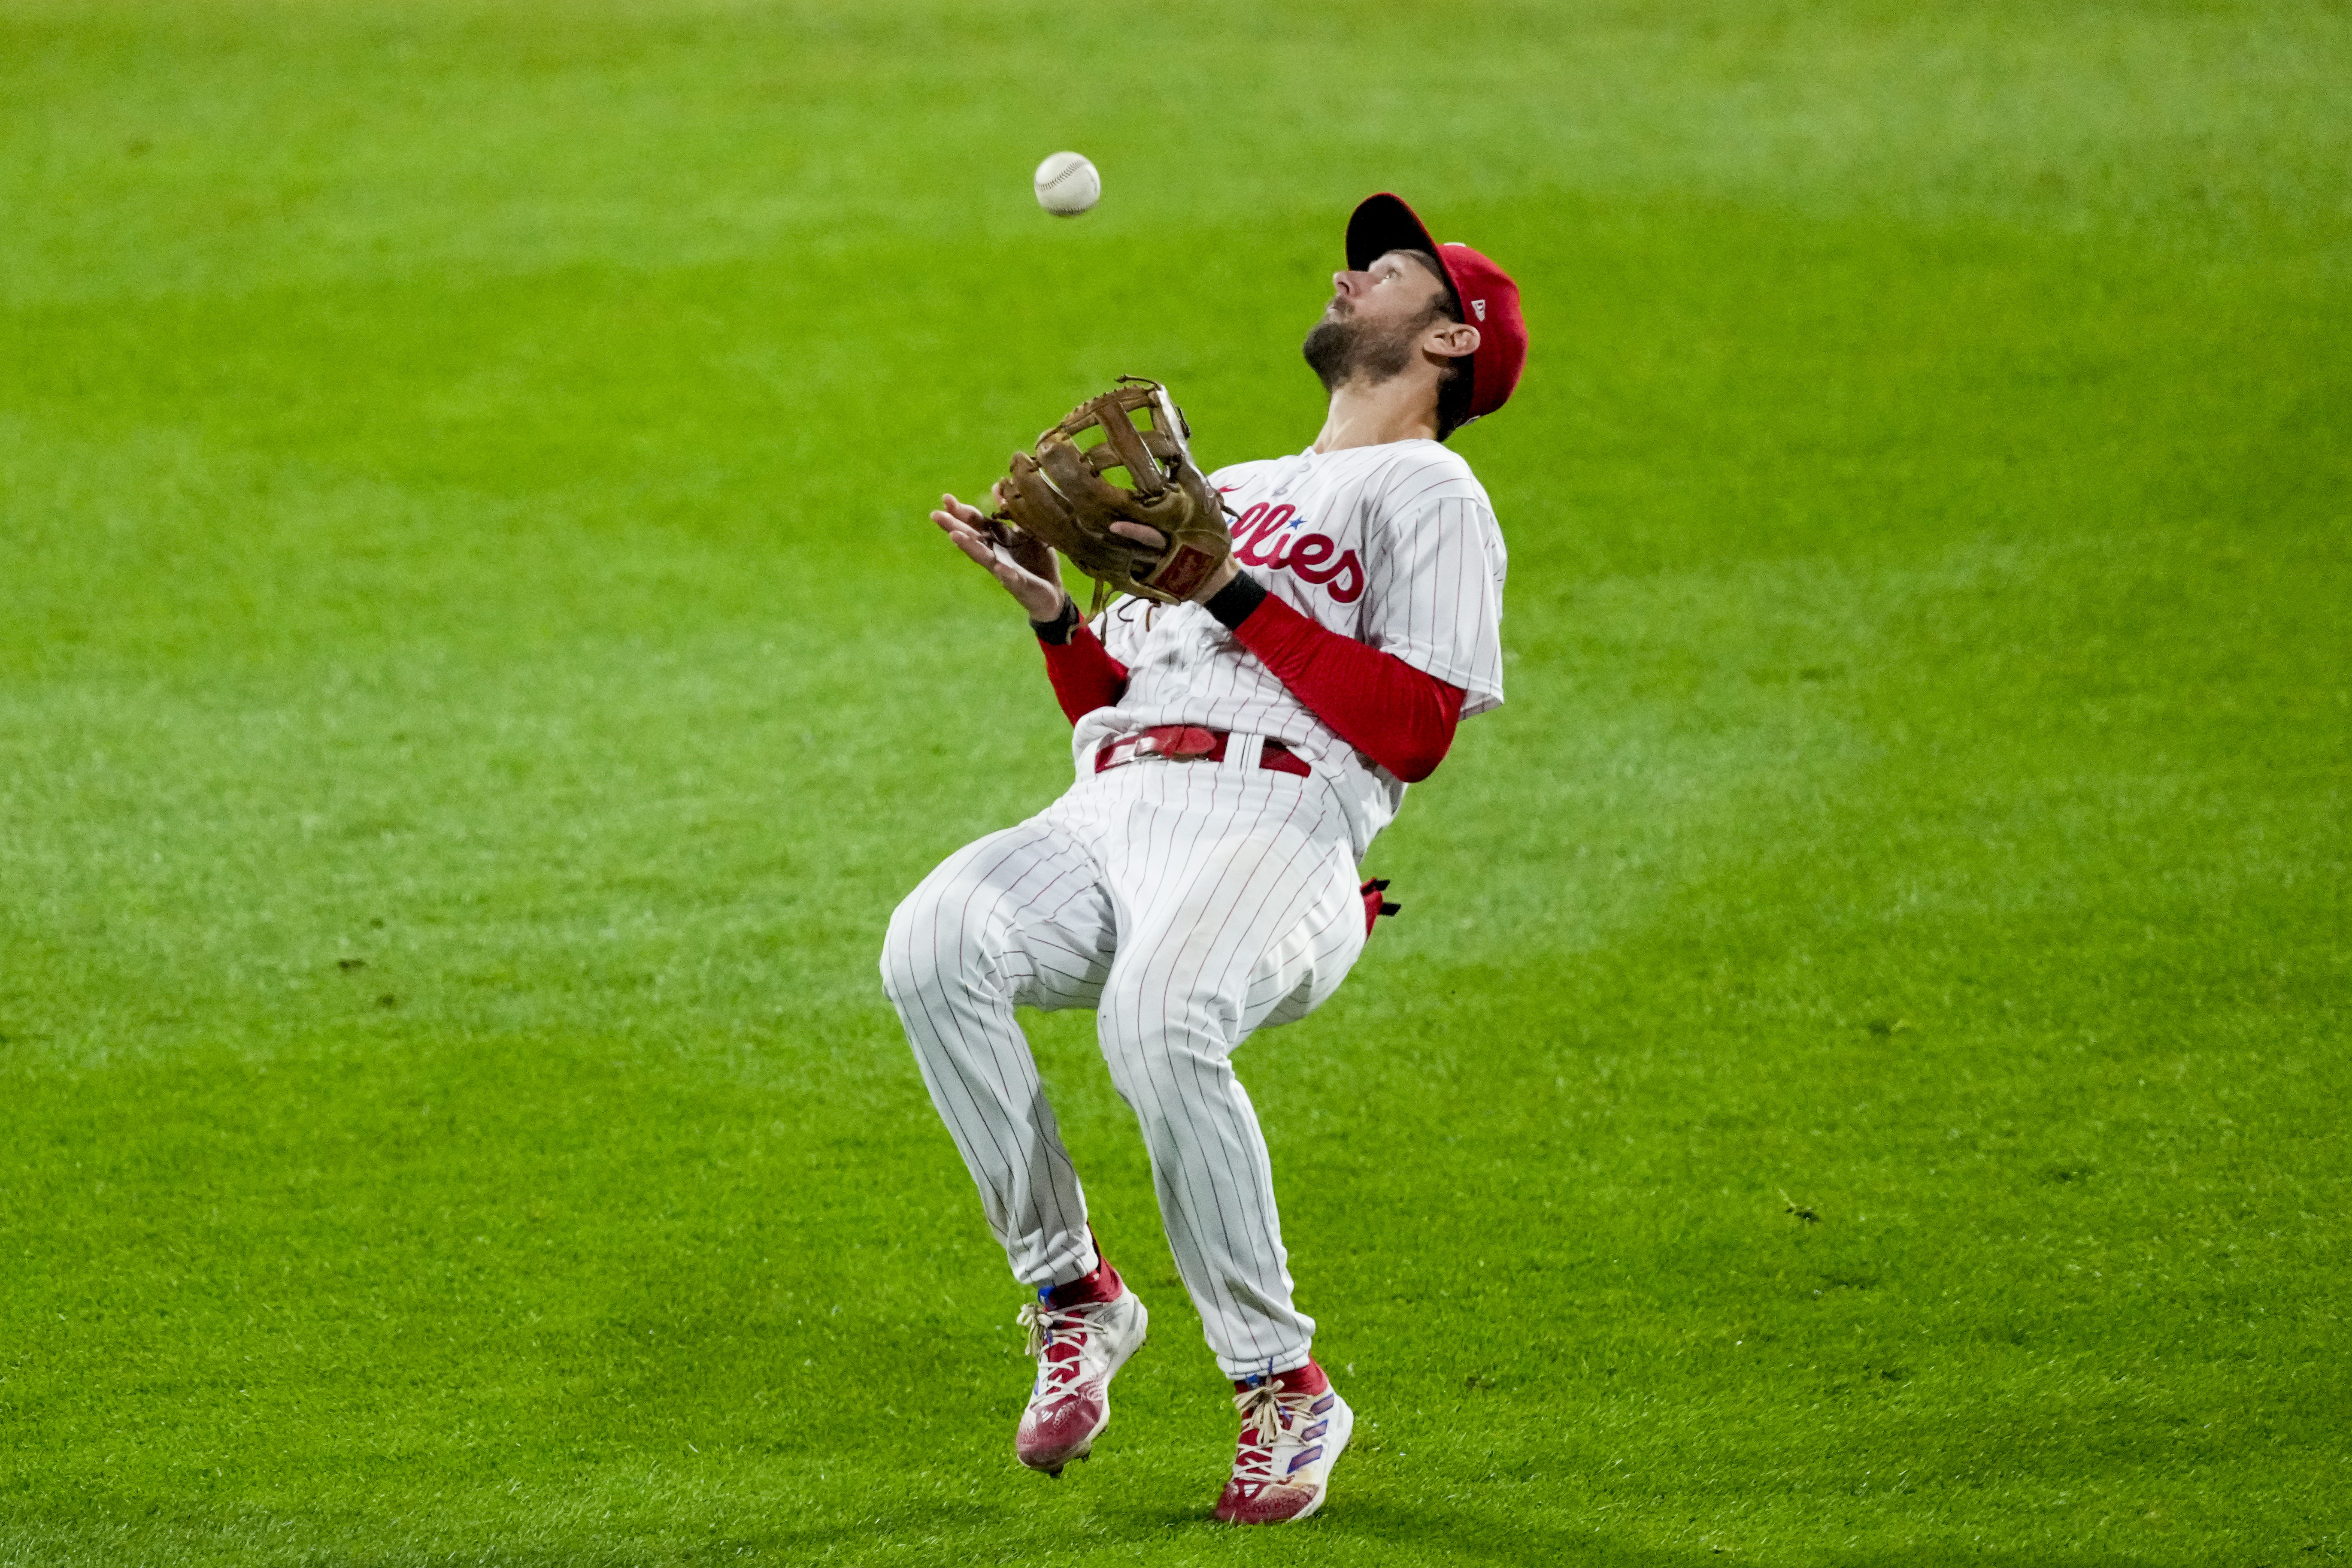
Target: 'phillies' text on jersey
{"x": 1395, "y": 545}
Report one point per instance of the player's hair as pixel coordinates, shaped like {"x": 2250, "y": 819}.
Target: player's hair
{"x": 1454, "y": 386}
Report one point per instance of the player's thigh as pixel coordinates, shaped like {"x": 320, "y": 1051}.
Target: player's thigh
{"x": 1022, "y": 912}
{"x": 1300, "y": 972}
{"x": 1196, "y": 924}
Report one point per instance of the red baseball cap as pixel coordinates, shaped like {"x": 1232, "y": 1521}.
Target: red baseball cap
{"x": 1483, "y": 292}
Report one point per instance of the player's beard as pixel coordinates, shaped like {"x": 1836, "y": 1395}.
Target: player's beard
{"x": 1344, "y": 349}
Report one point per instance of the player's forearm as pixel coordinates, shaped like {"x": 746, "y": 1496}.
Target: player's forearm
{"x": 1400, "y": 717}
{"x": 1085, "y": 675}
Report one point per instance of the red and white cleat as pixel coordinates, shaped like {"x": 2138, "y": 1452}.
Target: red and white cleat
{"x": 1079, "y": 1349}
{"x": 1293, "y": 1428}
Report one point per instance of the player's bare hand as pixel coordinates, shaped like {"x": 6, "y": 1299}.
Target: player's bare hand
{"x": 1025, "y": 566}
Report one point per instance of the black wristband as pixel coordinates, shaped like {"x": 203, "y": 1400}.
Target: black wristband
{"x": 1057, "y": 632}
{"x": 1233, "y": 603}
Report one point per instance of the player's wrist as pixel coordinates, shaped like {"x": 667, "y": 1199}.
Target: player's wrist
{"x": 1218, "y": 581}
{"x": 1236, "y": 599}
{"x": 1056, "y": 630}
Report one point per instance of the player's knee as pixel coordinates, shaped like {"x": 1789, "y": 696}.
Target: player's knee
{"x": 1145, "y": 1032}
{"x": 939, "y": 942}
{"x": 910, "y": 963}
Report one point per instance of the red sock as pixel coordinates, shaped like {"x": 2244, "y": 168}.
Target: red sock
{"x": 1308, "y": 1379}
{"x": 1102, "y": 1285}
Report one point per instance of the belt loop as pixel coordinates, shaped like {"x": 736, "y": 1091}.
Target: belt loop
{"x": 1244, "y": 751}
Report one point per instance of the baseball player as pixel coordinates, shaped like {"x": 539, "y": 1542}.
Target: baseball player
{"x": 1235, "y": 755}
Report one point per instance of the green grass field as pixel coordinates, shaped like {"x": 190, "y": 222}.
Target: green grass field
{"x": 474, "y": 678}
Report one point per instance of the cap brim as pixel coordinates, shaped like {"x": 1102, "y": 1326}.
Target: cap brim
{"x": 1382, "y": 223}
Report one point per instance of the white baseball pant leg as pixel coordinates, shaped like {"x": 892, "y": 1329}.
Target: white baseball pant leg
{"x": 1189, "y": 904}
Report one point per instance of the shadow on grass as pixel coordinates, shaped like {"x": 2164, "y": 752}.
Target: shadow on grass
{"x": 1468, "y": 1536}
{"x": 1362, "y": 1532}
{"x": 1370, "y": 1531}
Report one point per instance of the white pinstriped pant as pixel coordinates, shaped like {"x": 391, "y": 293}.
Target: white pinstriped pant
{"x": 1188, "y": 904}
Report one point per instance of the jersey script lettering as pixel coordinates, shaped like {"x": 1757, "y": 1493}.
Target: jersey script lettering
{"x": 1270, "y": 535}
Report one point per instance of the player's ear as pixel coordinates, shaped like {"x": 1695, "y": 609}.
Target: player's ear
{"x": 1451, "y": 340}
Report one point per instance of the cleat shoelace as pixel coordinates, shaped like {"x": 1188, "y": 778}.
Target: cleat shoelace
{"x": 1268, "y": 1414}
{"x": 1055, "y": 1339}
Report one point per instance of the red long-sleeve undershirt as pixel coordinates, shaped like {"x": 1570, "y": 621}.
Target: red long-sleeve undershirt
{"x": 1400, "y": 717}
{"x": 1085, "y": 675}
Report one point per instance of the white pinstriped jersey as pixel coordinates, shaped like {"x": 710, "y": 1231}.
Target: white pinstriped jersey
{"x": 1395, "y": 545}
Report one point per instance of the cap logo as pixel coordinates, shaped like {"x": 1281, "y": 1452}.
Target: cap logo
{"x": 1478, "y": 309}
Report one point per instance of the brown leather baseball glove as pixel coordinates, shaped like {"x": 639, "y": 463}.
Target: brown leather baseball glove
{"x": 1063, "y": 494}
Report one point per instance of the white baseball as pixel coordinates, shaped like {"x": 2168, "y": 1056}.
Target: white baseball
{"x": 1067, "y": 185}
